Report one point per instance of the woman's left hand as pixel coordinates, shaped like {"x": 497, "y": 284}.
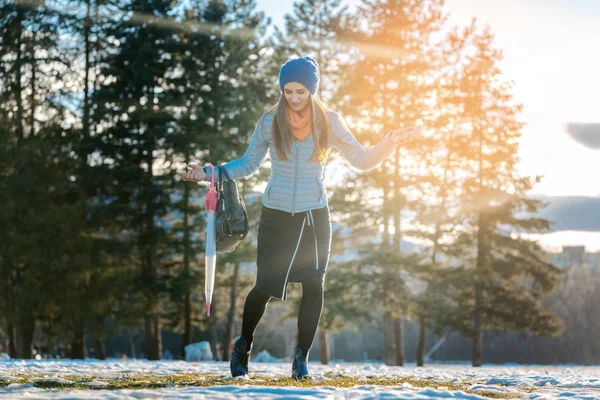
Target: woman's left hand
{"x": 404, "y": 135}
{"x": 195, "y": 173}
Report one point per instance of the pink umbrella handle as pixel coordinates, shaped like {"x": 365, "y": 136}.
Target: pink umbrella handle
{"x": 211, "y": 196}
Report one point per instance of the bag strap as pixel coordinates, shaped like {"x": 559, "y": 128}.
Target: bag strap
{"x": 223, "y": 173}
{"x": 219, "y": 180}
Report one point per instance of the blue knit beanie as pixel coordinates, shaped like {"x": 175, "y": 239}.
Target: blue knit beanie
{"x": 303, "y": 70}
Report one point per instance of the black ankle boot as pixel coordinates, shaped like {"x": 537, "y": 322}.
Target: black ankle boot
{"x": 299, "y": 367}
{"x": 239, "y": 359}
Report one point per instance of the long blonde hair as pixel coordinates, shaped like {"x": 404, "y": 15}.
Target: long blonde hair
{"x": 283, "y": 137}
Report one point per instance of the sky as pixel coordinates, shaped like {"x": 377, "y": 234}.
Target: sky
{"x": 551, "y": 52}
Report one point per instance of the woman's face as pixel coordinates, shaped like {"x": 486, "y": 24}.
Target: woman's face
{"x": 297, "y": 95}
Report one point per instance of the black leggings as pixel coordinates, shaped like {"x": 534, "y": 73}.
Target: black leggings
{"x": 311, "y": 307}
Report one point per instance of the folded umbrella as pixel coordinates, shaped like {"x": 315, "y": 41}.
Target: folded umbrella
{"x": 210, "y": 252}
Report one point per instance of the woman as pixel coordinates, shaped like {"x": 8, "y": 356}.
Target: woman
{"x": 294, "y": 234}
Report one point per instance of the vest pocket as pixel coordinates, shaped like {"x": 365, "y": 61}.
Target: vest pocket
{"x": 320, "y": 189}
{"x": 269, "y": 187}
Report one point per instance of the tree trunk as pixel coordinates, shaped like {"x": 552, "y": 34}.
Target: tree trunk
{"x": 388, "y": 339}
{"x": 385, "y": 237}
{"x": 78, "y": 342}
{"x": 477, "y": 331}
{"x": 187, "y": 307}
{"x": 152, "y": 334}
{"x": 148, "y": 336}
{"x": 152, "y": 339}
{"x": 388, "y": 329}
{"x": 32, "y": 102}
{"x": 399, "y": 340}
{"x": 324, "y": 345}
{"x": 9, "y": 287}
{"x": 212, "y": 328}
{"x": 18, "y": 80}
{"x": 187, "y": 323}
{"x": 398, "y": 201}
{"x": 25, "y": 333}
{"x": 152, "y": 330}
{"x": 131, "y": 344}
{"x": 88, "y": 66}
{"x": 421, "y": 345}
{"x": 99, "y": 349}
{"x": 149, "y": 241}
{"x": 157, "y": 338}
{"x": 231, "y": 315}
{"x": 398, "y": 323}
{"x": 480, "y": 266}
{"x": 478, "y": 293}
{"x": 12, "y": 344}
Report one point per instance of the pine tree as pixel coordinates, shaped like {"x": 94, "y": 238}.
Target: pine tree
{"x": 315, "y": 28}
{"x": 100, "y": 278}
{"x": 218, "y": 105}
{"x": 436, "y": 219}
{"x": 36, "y": 171}
{"x": 131, "y": 141}
{"x": 503, "y": 271}
{"x": 386, "y": 88}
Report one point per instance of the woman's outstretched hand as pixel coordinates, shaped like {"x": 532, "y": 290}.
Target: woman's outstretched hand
{"x": 406, "y": 135}
{"x": 195, "y": 173}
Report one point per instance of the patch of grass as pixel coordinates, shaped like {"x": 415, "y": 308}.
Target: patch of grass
{"x": 494, "y": 395}
{"x": 135, "y": 381}
{"x": 21, "y": 379}
{"x": 47, "y": 382}
{"x": 52, "y": 385}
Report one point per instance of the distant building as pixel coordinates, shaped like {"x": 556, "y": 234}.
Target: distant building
{"x": 575, "y": 255}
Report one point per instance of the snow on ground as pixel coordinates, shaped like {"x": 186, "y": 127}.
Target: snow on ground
{"x": 503, "y": 381}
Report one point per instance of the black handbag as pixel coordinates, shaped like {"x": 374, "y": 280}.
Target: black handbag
{"x": 231, "y": 218}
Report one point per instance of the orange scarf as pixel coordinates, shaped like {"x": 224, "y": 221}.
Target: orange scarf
{"x": 301, "y": 125}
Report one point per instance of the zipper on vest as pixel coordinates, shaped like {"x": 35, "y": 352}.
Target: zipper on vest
{"x": 293, "y": 257}
{"x": 295, "y": 179}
